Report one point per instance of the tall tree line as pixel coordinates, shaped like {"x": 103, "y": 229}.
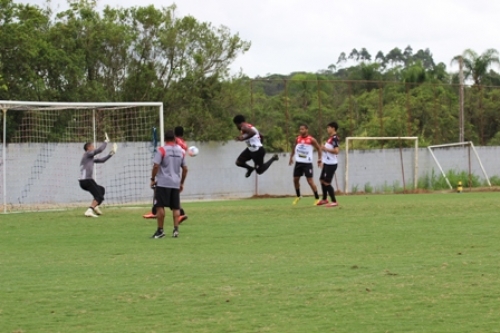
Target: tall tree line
{"x": 150, "y": 54}
{"x": 124, "y": 54}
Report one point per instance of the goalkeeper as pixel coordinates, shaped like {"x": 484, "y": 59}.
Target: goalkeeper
{"x": 86, "y": 179}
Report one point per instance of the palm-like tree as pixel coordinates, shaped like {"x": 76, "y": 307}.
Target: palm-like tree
{"x": 476, "y": 66}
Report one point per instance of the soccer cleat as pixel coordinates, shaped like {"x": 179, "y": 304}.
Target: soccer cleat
{"x": 149, "y": 216}
{"x": 182, "y": 218}
{"x": 158, "y": 234}
{"x": 97, "y": 210}
{"x": 90, "y": 213}
{"x": 175, "y": 234}
{"x": 276, "y": 157}
{"x": 249, "y": 172}
{"x": 322, "y": 202}
{"x": 296, "y": 200}
{"x": 316, "y": 202}
{"x": 332, "y": 204}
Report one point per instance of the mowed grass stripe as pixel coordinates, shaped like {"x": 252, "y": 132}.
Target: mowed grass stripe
{"x": 378, "y": 263}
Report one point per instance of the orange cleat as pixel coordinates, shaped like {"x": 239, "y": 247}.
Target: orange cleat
{"x": 182, "y": 218}
{"x": 322, "y": 202}
{"x": 149, "y": 216}
{"x": 332, "y": 204}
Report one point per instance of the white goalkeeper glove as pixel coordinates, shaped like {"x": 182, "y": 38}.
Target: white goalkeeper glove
{"x": 106, "y": 137}
{"x": 113, "y": 151}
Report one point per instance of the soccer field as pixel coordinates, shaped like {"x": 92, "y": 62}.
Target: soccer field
{"x": 377, "y": 263}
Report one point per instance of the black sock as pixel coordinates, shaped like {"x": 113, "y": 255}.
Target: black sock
{"x": 160, "y": 229}
{"x": 316, "y": 196}
{"x": 176, "y": 228}
{"x": 324, "y": 191}
{"x": 331, "y": 192}
{"x": 182, "y": 212}
{"x": 297, "y": 190}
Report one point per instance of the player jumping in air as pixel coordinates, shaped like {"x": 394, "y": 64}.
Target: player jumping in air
{"x": 303, "y": 152}
{"x": 254, "y": 151}
{"x": 331, "y": 150}
{"x": 86, "y": 179}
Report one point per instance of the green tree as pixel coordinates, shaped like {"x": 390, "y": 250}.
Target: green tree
{"x": 476, "y": 65}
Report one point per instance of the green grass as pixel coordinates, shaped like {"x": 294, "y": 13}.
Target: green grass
{"x": 378, "y": 263}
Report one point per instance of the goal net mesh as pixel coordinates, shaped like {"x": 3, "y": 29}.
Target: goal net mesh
{"x": 44, "y": 146}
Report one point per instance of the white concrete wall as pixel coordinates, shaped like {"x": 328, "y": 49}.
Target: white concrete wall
{"x": 41, "y": 174}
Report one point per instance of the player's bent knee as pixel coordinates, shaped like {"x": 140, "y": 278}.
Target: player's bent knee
{"x": 259, "y": 170}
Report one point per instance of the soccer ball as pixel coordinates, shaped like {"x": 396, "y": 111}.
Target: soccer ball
{"x": 193, "y": 151}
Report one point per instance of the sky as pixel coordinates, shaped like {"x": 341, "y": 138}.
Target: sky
{"x": 309, "y": 35}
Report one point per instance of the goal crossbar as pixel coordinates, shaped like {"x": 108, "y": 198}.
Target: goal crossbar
{"x": 351, "y": 138}
{"x": 455, "y": 144}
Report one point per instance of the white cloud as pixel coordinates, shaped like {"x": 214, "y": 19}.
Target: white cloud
{"x": 309, "y": 35}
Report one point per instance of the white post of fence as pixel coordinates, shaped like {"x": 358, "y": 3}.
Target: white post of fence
{"x": 4, "y": 160}
{"x": 346, "y": 190}
{"x": 415, "y": 169}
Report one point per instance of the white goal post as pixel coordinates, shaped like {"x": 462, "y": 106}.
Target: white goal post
{"x": 458, "y": 144}
{"x": 415, "y": 162}
{"x": 42, "y": 145}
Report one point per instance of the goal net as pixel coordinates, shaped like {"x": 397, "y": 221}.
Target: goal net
{"x": 42, "y": 145}
{"x": 456, "y": 158}
{"x": 381, "y": 170}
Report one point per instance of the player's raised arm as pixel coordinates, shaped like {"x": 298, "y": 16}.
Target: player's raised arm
{"x": 99, "y": 149}
{"x": 247, "y": 133}
{"x": 111, "y": 153}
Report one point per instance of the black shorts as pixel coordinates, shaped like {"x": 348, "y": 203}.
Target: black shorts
{"x": 301, "y": 169}
{"x": 327, "y": 172}
{"x": 168, "y": 197}
{"x": 256, "y": 156}
{"x": 91, "y": 186}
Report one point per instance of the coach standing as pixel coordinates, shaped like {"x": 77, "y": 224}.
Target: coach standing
{"x": 169, "y": 181}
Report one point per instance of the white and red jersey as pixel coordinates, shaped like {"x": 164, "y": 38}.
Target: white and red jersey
{"x": 253, "y": 143}
{"x": 181, "y": 143}
{"x": 304, "y": 149}
{"x": 330, "y": 158}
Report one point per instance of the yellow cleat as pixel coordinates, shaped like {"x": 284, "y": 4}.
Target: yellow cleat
{"x": 316, "y": 201}
{"x": 296, "y": 200}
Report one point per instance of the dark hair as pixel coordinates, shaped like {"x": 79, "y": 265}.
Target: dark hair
{"x": 179, "y": 131}
{"x": 86, "y": 145}
{"x": 238, "y": 119}
{"x": 307, "y": 127}
{"x": 334, "y": 125}
{"x": 169, "y": 135}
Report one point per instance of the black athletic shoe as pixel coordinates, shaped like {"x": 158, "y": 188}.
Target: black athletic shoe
{"x": 249, "y": 172}
{"x": 175, "y": 234}
{"x": 276, "y": 157}
{"x": 158, "y": 234}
